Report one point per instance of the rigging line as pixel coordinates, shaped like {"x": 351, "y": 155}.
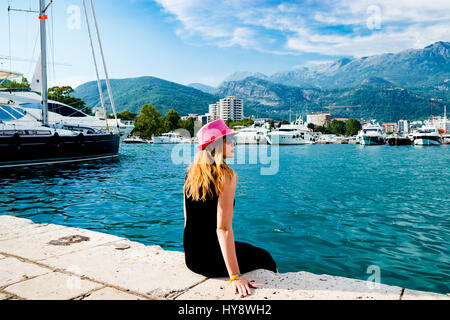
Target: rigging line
{"x": 50, "y": 58}
{"x": 9, "y": 34}
{"x": 32, "y": 54}
{"x": 95, "y": 64}
{"x": 111, "y": 99}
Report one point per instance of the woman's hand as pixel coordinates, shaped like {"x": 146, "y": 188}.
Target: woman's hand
{"x": 242, "y": 286}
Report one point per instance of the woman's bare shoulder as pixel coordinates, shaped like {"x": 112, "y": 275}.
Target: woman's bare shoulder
{"x": 231, "y": 179}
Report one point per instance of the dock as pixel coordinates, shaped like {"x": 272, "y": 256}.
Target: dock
{"x": 54, "y": 262}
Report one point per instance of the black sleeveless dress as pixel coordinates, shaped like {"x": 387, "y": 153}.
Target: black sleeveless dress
{"x": 202, "y": 250}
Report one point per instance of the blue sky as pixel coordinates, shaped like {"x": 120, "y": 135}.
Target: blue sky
{"x": 204, "y": 41}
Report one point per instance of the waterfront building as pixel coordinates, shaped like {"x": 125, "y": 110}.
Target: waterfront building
{"x": 318, "y": 119}
{"x": 389, "y": 127}
{"x": 227, "y": 108}
{"x": 404, "y": 126}
{"x": 214, "y": 111}
{"x": 204, "y": 119}
{"x": 439, "y": 122}
{"x": 231, "y": 108}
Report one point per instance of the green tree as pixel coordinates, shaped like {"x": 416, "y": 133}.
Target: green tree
{"x": 228, "y": 122}
{"x": 171, "y": 120}
{"x": 322, "y": 129}
{"x": 284, "y": 122}
{"x": 14, "y": 84}
{"x": 352, "y": 127}
{"x": 187, "y": 124}
{"x": 149, "y": 122}
{"x": 244, "y": 122}
{"x": 337, "y": 127}
{"x": 127, "y": 115}
{"x": 311, "y": 126}
{"x": 63, "y": 94}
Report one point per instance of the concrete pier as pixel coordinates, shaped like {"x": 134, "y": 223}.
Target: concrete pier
{"x": 47, "y": 261}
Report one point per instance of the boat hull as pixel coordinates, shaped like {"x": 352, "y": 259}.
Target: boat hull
{"x": 426, "y": 142}
{"x": 371, "y": 140}
{"x": 399, "y": 141}
{"x": 159, "y": 140}
{"x": 285, "y": 140}
{"x": 250, "y": 139}
{"x": 21, "y": 151}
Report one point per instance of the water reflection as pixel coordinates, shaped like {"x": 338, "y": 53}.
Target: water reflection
{"x": 341, "y": 208}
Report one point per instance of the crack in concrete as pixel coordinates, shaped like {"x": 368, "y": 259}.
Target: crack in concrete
{"x": 401, "y": 294}
{"x": 148, "y": 297}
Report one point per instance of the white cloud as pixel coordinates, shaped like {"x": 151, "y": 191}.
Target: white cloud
{"x": 345, "y": 27}
{"x": 376, "y": 43}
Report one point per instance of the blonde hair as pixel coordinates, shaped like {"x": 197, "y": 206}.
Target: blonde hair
{"x": 208, "y": 166}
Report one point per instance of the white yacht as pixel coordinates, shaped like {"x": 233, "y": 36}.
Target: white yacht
{"x": 62, "y": 114}
{"x": 36, "y": 131}
{"x": 134, "y": 139}
{"x": 427, "y": 136}
{"x": 446, "y": 138}
{"x": 251, "y": 135}
{"x": 170, "y": 137}
{"x": 294, "y": 133}
{"x": 371, "y": 134}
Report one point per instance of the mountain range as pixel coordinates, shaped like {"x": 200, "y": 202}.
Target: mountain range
{"x": 411, "y": 68}
{"x": 387, "y": 87}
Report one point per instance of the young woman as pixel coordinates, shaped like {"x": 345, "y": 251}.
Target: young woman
{"x": 209, "y": 190}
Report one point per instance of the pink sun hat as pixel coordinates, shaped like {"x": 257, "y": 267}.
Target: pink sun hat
{"x": 212, "y": 131}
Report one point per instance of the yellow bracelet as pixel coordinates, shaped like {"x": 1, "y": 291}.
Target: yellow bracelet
{"x": 235, "y": 277}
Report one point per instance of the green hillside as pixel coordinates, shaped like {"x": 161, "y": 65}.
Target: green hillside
{"x": 132, "y": 93}
{"x": 379, "y": 99}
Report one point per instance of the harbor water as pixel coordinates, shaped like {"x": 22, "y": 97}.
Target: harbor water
{"x": 377, "y": 213}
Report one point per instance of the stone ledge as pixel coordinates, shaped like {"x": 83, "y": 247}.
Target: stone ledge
{"x": 109, "y": 293}
{"x": 110, "y": 267}
{"x": 52, "y": 286}
{"x": 294, "y": 285}
{"x": 13, "y": 270}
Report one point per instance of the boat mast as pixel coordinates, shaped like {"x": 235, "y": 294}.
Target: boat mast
{"x": 445, "y": 117}
{"x": 42, "y": 18}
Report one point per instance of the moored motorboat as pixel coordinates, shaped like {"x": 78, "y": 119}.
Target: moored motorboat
{"x": 134, "y": 139}
{"x": 427, "y": 136}
{"x": 397, "y": 140}
{"x": 171, "y": 138}
{"x": 251, "y": 135}
{"x": 294, "y": 133}
{"x": 371, "y": 134}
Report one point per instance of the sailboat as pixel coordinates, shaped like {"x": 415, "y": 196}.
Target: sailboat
{"x": 28, "y": 138}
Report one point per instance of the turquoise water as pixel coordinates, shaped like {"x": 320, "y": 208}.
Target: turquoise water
{"x": 343, "y": 210}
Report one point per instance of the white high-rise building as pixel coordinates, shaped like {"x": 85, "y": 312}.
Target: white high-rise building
{"x": 403, "y": 126}
{"x": 214, "y": 112}
{"x": 231, "y": 108}
{"x": 227, "y": 108}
